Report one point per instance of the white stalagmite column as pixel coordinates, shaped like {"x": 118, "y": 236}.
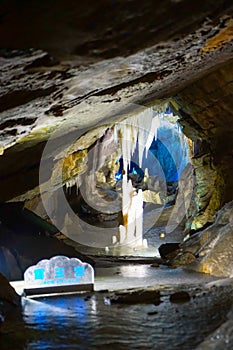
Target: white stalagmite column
{"x": 138, "y": 130}
{"x": 131, "y": 233}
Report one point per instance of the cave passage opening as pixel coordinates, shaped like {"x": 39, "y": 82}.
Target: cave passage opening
{"x": 132, "y": 183}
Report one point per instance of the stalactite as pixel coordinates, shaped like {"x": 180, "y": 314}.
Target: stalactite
{"x": 135, "y": 132}
{"x": 72, "y": 182}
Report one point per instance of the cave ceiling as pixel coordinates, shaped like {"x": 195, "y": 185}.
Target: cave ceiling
{"x": 72, "y": 66}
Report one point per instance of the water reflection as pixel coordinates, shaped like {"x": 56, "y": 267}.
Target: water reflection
{"x": 57, "y": 319}
{"x": 134, "y": 271}
{"x": 38, "y": 312}
{"x": 84, "y": 322}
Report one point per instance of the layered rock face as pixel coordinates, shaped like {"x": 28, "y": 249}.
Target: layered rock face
{"x": 207, "y": 121}
{"x": 213, "y": 247}
{"x": 69, "y": 71}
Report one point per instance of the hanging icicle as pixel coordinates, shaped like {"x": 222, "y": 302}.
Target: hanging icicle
{"x": 137, "y": 131}
{"x": 72, "y": 182}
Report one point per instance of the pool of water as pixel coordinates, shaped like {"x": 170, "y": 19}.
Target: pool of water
{"x": 87, "y": 322}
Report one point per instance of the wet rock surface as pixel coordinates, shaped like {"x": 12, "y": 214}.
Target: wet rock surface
{"x": 181, "y": 259}
{"x": 7, "y": 293}
{"x": 210, "y": 250}
{"x": 179, "y": 297}
{"x": 9, "y": 299}
{"x": 135, "y": 297}
{"x": 169, "y": 250}
{"x": 221, "y": 338}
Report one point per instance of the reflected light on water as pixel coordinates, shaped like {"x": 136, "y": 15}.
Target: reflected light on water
{"x": 40, "y": 311}
{"x": 85, "y": 322}
{"x": 134, "y": 271}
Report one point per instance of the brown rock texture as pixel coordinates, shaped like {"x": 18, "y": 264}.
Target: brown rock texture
{"x": 213, "y": 246}
{"x": 209, "y": 102}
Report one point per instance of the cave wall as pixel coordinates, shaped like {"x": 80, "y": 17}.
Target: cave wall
{"x": 205, "y": 108}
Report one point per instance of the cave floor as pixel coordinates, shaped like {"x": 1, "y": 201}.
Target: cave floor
{"x": 131, "y": 275}
{"x": 92, "y": 321}
{"x": 155, "y": 233}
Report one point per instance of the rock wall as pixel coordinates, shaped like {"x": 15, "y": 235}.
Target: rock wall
{"x": 213, "y": 247}
{"x": 205, "y": 108}
{"x": 8, "y": 297}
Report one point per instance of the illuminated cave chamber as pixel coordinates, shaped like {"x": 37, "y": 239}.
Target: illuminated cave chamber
{"x": 160, "y": 153}
{"x": 135, "y": 165}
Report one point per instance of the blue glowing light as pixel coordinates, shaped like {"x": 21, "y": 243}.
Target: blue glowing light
{"x": 79, "y": 271}
{"x": 132, "y": 169}
{"x": 118, "y": 177}
{"x": 39, "y": 274}
{"x": 59, "y": 272}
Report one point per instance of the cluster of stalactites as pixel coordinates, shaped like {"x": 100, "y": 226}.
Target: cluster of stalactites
{"x": 137, "y": 131}
{"x": 72, "y": 182}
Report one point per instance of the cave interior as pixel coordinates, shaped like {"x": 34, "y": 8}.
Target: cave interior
{"x": 116, "y": 148}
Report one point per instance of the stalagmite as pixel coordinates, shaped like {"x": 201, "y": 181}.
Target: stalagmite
{"x": 135, "y": 132}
